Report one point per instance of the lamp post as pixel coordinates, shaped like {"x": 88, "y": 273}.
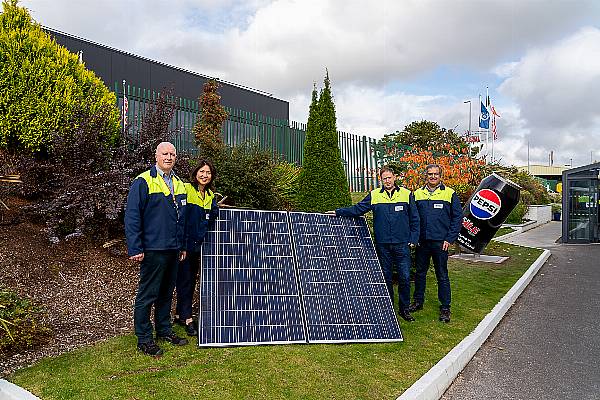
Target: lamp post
{"x": 469, "y": 131}
{"x": 465, "y": 102}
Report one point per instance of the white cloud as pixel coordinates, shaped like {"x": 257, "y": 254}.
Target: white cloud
{"x": 283, "y": 46}
{"x": 556, "y": 88}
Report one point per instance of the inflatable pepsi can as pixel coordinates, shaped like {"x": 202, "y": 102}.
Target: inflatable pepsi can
{"x": 487, "y": 209}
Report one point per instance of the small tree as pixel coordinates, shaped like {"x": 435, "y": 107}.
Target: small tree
{"x": 44, "y": 87}
{"x": 422, "y": 135}
{"x": 207, "y": 131}
{"x": 322, "y": 182}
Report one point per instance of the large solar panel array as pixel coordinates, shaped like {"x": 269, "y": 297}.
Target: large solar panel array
{"x": 272, "y": 277}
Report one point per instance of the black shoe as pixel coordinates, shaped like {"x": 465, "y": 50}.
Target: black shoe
{"x": 190, "y": 329}
{"x": 405, "y": 314}
{"x": 150, "y": 348}
{"x": 415, "y": 306}
{"x": 445, "y": 315}
{"x": 174, "y": 339}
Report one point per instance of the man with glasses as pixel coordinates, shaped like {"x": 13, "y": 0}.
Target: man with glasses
{"x": 440, "y": 215}
{"x": 155, "y": 232}
{"x": 396, "y": 227}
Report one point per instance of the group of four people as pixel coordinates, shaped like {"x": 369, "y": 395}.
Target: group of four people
{"x": 166, "y": 221}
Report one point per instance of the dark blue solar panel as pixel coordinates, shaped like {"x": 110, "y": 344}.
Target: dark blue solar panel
{"x": 342, "y": 287}
{"x": 248, "y": 284}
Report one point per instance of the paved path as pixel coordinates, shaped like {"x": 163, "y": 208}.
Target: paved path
{"x": 548, "y": 344}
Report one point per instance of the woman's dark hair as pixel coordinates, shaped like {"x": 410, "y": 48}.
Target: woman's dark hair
{"x": 213, "y": 174}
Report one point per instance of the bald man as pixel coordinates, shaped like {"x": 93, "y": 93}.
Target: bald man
{"x": 154, "y": 228}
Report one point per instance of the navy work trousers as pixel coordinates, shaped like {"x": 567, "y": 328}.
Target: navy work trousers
{"x": 398, "y": 254}
{"x": 186, "y": 284}
{"x": 426, "y": 251}
{"x": 158, "y": 272}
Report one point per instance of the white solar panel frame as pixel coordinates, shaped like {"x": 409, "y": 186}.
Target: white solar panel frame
{"x": 384, "y": 297}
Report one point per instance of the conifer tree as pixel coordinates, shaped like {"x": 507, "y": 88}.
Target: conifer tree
{"x": 44, "y": 87}
{"x": 322, "y": 183}
{"x": 207, "y": 131}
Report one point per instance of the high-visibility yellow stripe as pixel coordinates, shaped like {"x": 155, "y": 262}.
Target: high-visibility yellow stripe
{"x": 193, "y": 197}
{"x": 400, "y": 196}
{"x": 158, "y": 185}
{"x": 438, "y": 194}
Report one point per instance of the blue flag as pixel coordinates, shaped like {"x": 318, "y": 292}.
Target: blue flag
{"x": 484, "y": 118}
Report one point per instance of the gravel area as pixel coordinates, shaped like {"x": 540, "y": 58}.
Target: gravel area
{"x": 87, "y": 290}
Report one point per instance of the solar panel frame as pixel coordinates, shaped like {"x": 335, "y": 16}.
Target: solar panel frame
{"x": 246, "y": 246}
{"x": 367, "y": 274}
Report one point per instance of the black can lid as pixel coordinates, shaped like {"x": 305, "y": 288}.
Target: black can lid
{"x": 506, "y": 181}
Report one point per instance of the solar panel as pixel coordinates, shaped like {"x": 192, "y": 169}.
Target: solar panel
{"x": 248, "y": 285}
{"x": 343, "y": 290}
{"x": 269, "y": 277}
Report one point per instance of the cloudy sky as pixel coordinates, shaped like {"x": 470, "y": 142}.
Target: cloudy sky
{"x": 391, "y": 62}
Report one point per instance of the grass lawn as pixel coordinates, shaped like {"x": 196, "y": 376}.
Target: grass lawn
{"x": 503, "y": 231}
{"x": 115, "y": 370}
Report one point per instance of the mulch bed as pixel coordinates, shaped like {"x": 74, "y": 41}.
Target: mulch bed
{"x": 87, "y": 291}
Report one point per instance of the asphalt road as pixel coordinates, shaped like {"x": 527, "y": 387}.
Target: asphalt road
{"x": 548, "y": 344}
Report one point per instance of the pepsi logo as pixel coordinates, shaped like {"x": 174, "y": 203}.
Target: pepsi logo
{"x": 485, "y": 204}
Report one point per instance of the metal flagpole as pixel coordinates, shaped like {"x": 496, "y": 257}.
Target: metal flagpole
{"x": 123, "y": 111}
{"x": 487, "y": 106}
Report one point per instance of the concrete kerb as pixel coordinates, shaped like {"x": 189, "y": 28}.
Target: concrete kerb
{"x": 10, "y": 391}
{"x": 434, "y": 383}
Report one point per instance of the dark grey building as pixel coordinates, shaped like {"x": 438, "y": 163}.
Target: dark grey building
{"x": 581, "y": 202}
{"x": 113, "y": 65}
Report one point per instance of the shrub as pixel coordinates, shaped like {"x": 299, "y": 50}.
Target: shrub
{"x": 517, "y": 214}
{"x": 249, "y": 175}
{"x": 246, "y": 174}
{"x": 81, "y": 186}
{"x": 322, "y": 183}
{"x": 43, "y": 87}
{"x": 21, "y": 323}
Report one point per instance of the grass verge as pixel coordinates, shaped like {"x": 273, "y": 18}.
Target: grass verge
{"x": 115, "y": 370}
{"x": 503, "y": 231}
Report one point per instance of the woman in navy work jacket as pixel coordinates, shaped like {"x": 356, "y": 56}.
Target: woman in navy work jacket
{"x": 202, "y": 209}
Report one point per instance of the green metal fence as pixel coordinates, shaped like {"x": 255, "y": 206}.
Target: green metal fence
{"x": 284, "y": 138}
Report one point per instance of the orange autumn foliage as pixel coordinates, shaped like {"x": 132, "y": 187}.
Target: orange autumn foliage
{"x": 460, "y": 172}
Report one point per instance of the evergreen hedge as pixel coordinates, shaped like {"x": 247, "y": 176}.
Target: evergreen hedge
{"x": 42, "y": 84}
{"x": 322, "y": 183}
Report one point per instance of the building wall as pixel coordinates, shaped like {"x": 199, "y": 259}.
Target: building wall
{"x": 113, "y": 65}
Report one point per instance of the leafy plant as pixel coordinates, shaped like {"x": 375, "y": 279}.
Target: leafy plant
{"x": 517, "y": 214}
{"x": 286, "y": 183}
{"x": 21, "y": 323}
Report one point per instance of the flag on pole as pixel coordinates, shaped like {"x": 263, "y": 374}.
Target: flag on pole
{"x": 494, "y": 115}
{"x": 125, "y": 109}
{"x": 484, "y": 117}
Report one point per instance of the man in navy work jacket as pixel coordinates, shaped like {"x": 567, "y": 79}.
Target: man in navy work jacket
{"x": 396, "y": 227}
{"x": 441, "y": 218}
{"x": 155, "y": 232}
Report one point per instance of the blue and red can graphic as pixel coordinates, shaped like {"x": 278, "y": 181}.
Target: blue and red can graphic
{"x": 486, "y": 211}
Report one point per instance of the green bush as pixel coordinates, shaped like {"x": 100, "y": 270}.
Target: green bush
{"x": 517, "y": 214}
{"x": 322, "y": 182}
{"x": 21, "y": 325}
{"x": 247, "y": 174}
{"x": 41, "y": 85}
